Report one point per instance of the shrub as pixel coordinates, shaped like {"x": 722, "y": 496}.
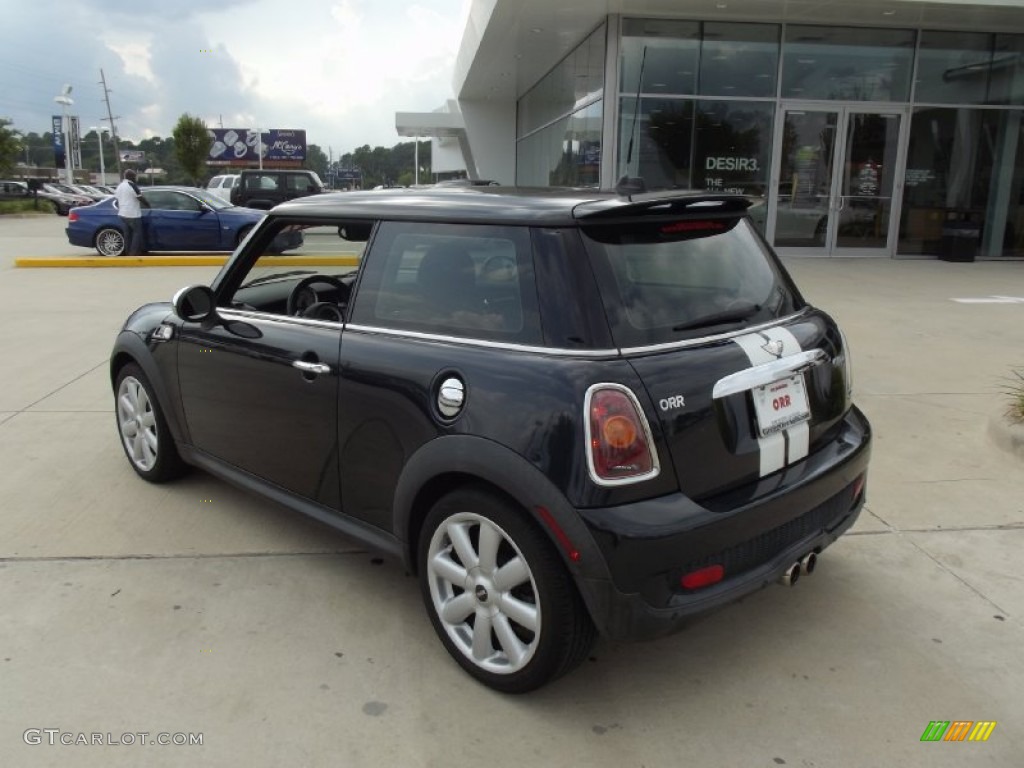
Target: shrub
{"x": 26, "y": 206}
{"x": 1015, "y": 392}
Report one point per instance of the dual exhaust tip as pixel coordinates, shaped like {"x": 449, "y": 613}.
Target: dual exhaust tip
{"x": 805, "y": 565}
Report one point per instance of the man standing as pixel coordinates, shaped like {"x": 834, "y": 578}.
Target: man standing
{"x": 128, "y": 195}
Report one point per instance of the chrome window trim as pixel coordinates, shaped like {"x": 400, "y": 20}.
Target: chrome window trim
{"x": 591, "y": 469}
{"x": 760, "y": 375}
{"x": 670, "y": 345}
{"x": 486, "y": 343}
{"x": 268, "y": 316}
{"x": 596, "y": 354}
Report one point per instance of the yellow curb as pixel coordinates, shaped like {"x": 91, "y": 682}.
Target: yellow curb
{"x": 183, "y": 261}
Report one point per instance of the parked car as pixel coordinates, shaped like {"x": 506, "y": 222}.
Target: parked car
{"x": 566, "y": 413}
{"x": 221, "y": 185}
{"x": 13, "y": 190}
{"x": 63, "y": 197}
{"x": 266, "y": 188}
{"x": 92, "y": 193}
{"x": 173, "y": 219}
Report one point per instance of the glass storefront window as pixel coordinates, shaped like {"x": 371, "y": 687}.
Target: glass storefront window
{"x": 564, "y": 154}
{"x": 964, "y": 179}
{"x": 656, "y": 142}
{"x": 847, "y": 64}
{"x": 733, "y": 147}
{"x": 721, "y": 146}
{"x": 953, "y": 68}
{"x": 1006, "y": 85}
{"x": 739, "y": 59}
{"x": 683, "y": 58}
{"x": 577, "y": 80}
{"x": 666, "y": 51}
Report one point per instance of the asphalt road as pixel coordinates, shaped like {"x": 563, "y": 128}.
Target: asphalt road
{"x": 193, "y": 608}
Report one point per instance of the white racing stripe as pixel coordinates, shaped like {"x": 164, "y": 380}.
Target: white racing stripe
{"x": 791, "y": 444}
{"x": 797, "y": 437}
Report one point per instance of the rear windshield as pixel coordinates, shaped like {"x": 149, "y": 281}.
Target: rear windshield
{"x": 666, "y": 281}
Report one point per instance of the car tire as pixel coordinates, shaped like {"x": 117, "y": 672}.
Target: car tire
{"x": 145, "y": 438}
{"x": 498, "y": 594}
{"x": 109, "y": 241}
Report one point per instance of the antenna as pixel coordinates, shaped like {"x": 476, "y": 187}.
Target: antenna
{"x": 110, "y": 118}
{"x": 627, "y": 185}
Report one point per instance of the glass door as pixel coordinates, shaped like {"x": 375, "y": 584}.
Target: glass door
{"x": 836, "y": 168}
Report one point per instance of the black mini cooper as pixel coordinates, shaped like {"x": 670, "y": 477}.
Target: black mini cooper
{"x": 567, "y": 412}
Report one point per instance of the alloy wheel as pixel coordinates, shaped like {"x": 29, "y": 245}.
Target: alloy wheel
{"x": 484, "y": 593}
{"x": 137, "y": 423}
{"x": 110, "y": 242}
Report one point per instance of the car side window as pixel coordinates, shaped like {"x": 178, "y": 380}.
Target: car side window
{"x": 167, "y": 200}
{"x": 261, "y": 181}
{"x": 473, "y": 281}
{"x": 299, "y": 183}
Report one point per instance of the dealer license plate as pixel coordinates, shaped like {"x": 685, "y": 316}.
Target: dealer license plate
{"x": 780, "y": 405}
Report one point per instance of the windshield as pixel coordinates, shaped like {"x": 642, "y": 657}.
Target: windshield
{"x": 668, "y": 281}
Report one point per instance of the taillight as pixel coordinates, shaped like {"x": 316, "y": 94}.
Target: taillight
{"x": 619, "y": 444}
{"x": 72, "y": 215}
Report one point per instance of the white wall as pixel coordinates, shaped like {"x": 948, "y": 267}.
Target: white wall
{"x": 491, "y": 126}
{"x": 446, "y": 156}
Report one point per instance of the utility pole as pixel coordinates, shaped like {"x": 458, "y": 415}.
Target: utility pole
{"x": 110, "y": 118}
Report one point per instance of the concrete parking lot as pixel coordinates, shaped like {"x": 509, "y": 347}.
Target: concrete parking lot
{"x": 192, "y": 608}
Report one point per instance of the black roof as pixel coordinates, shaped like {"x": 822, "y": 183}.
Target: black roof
{"x": 549, "y": 206}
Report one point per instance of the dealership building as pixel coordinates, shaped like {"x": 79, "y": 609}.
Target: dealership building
{"x": 859, "y": 128}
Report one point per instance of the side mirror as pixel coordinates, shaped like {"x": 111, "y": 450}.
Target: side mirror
{"x": 195, "y": 304}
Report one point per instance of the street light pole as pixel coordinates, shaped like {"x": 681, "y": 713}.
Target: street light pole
{"x": 66, "y": 101}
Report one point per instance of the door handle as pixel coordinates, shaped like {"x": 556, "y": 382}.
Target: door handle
{"x": 314, "y": 368}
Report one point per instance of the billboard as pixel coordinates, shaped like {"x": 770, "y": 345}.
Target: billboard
{"x": 132, "y": 156}
{"x": 238, "y": 146}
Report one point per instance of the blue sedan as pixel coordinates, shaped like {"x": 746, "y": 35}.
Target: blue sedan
{"x": 173, "y": 219}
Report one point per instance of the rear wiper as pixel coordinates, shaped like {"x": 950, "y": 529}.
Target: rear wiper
{"x": 727, "y": 316}
{"x": 278, "y": 276}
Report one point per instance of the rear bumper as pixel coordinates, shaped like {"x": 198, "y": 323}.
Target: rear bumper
{"x": 77, "y": 237}
{"x": 755, "y": 534}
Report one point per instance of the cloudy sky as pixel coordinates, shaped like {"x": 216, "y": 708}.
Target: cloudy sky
{"x": 338, "y": 68}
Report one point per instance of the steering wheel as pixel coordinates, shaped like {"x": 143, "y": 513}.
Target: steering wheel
{"x": 303, "y": 286}
{"x": 324, "y": 310}
{"x": 499, "y": 267}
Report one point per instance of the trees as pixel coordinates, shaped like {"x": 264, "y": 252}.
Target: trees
{"x": 316, "y": 160}
{"x": 10, "y": 147}
{"x": 192, "y": 146}
{"x": 388, "y": 166}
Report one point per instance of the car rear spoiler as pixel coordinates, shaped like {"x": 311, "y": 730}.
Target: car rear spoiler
{"x": 667, "y": 203}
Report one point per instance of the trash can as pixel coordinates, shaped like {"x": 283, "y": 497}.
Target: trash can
{"x": 961, "y": 237}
